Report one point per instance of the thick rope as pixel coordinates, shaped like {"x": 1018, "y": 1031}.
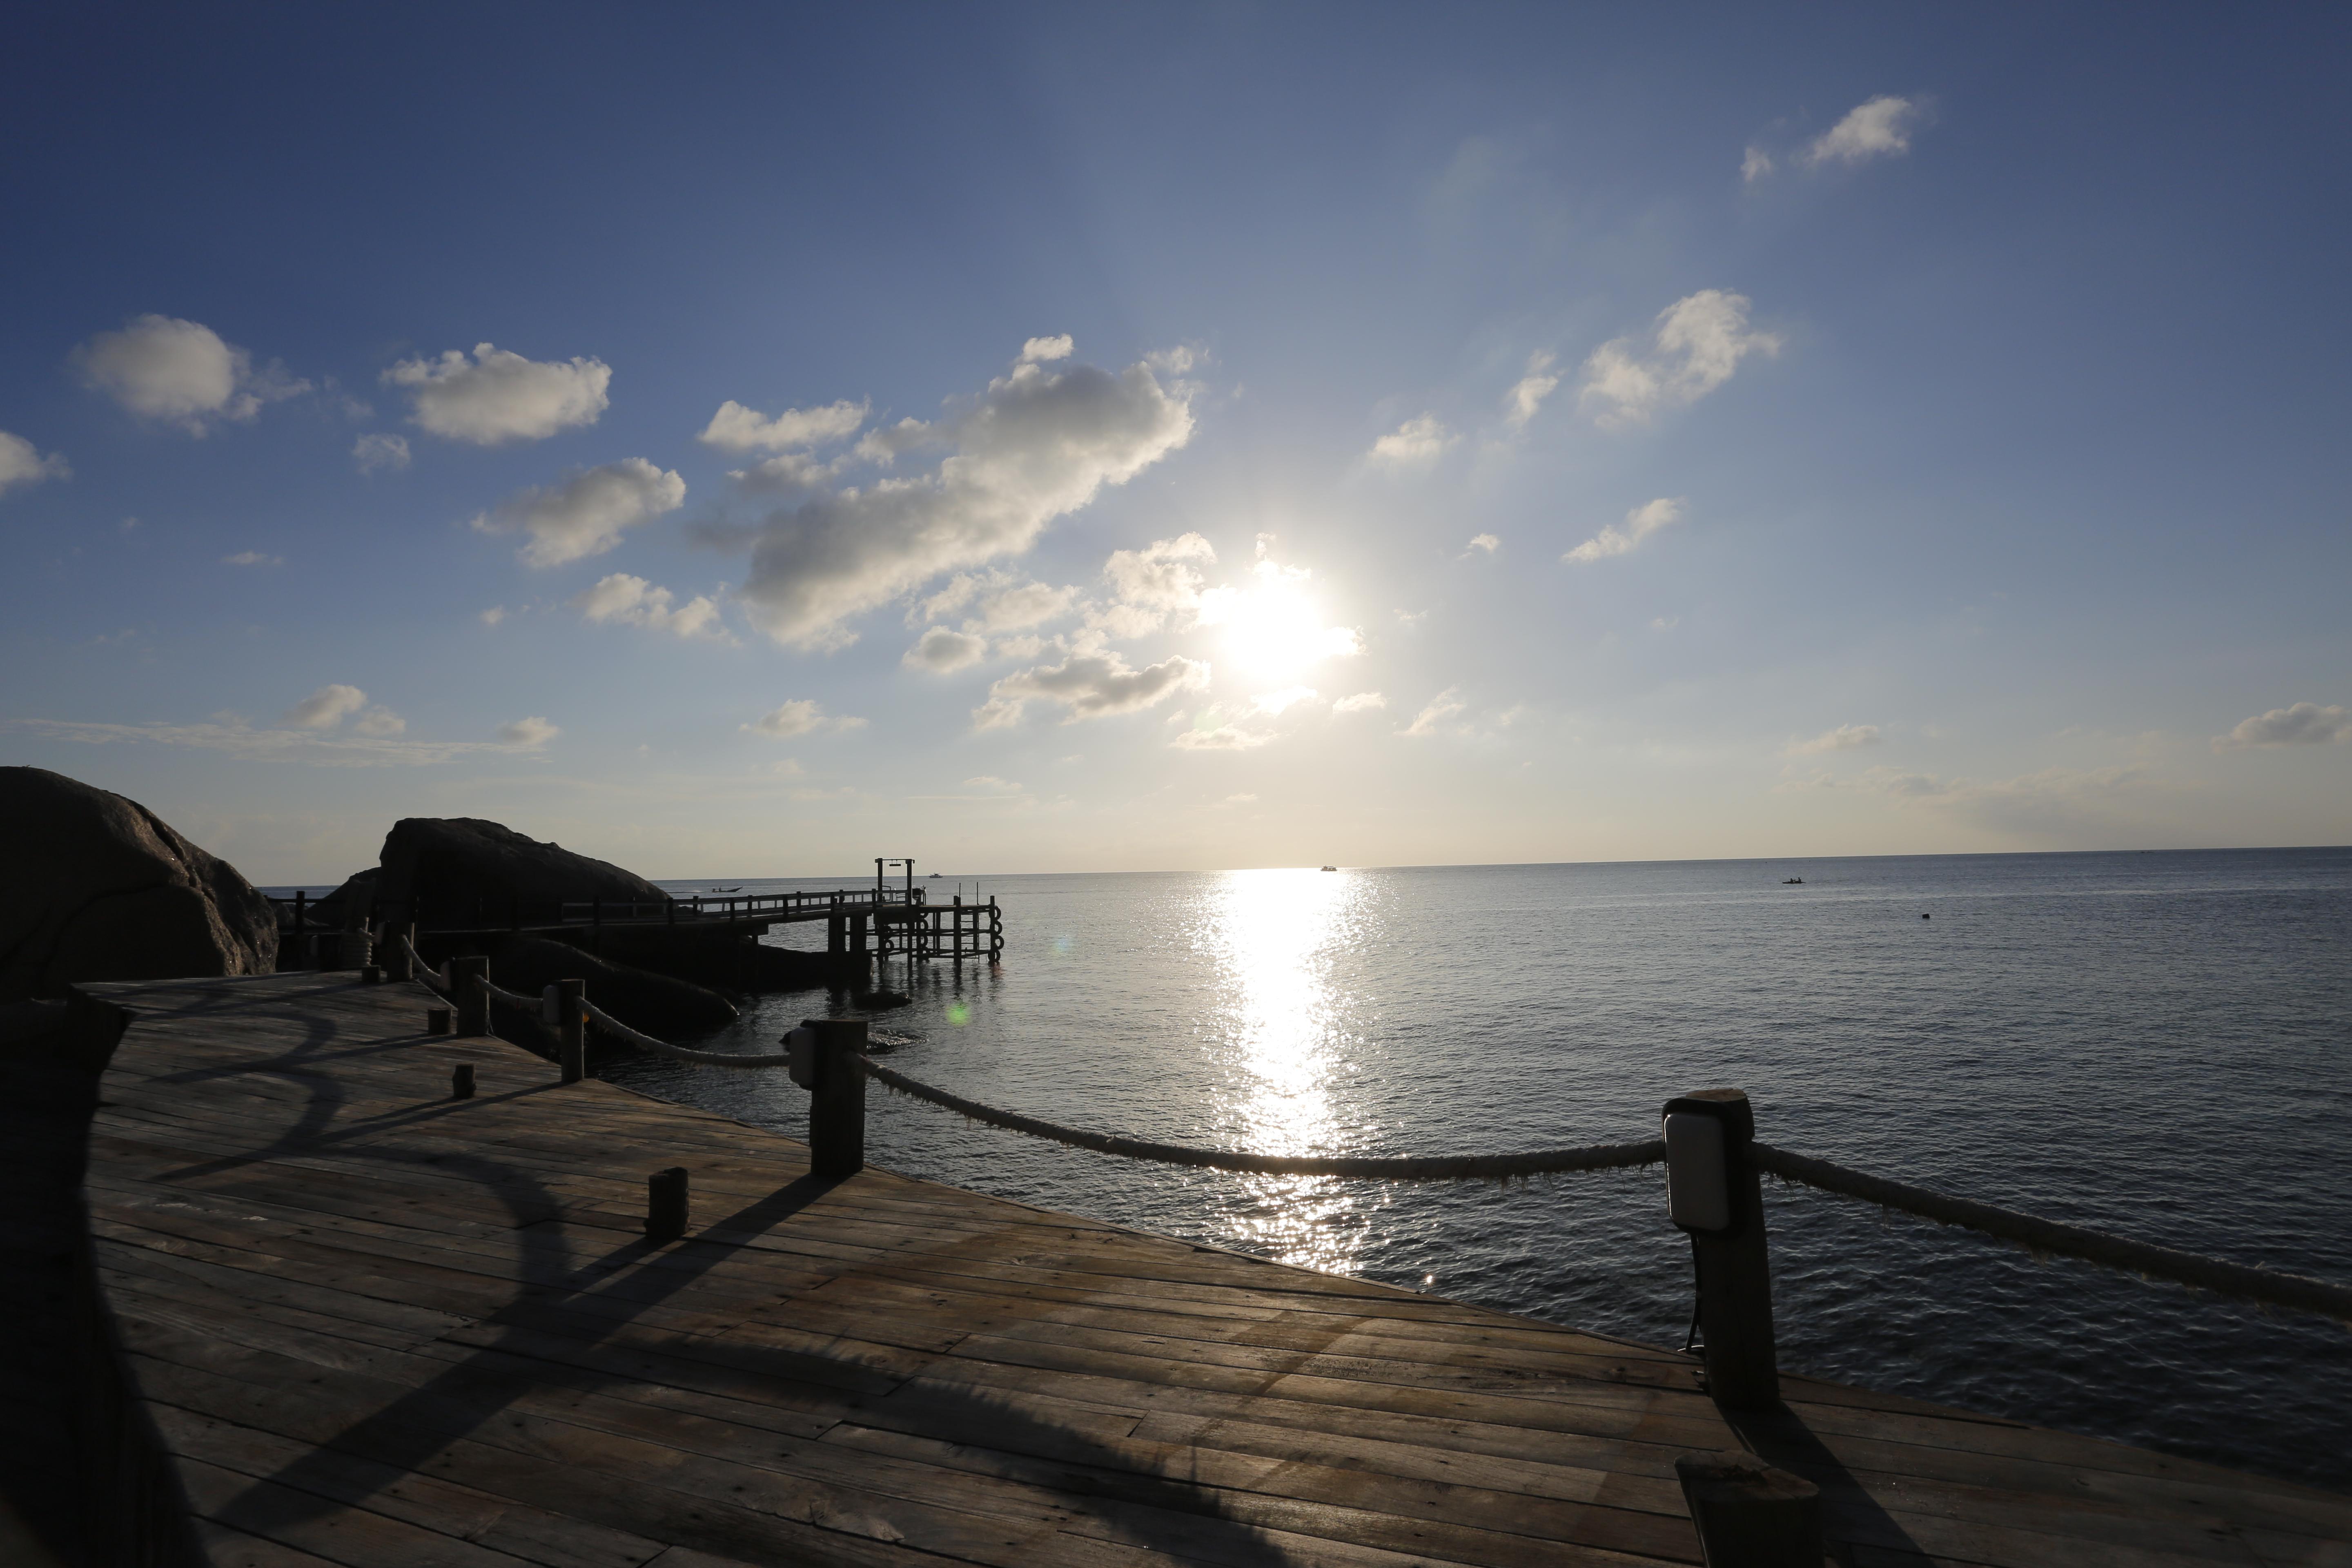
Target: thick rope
{"x": 1438, "y": 1168}
{"x": 2045, "y": 1235}
{"x": 620, "y": 1031}
{"x": 433, "y": 978}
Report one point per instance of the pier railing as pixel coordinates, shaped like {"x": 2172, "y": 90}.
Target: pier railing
{"x": 1715, "y": 1167}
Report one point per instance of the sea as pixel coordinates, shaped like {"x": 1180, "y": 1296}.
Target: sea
{"x": 2158, "y": 1044}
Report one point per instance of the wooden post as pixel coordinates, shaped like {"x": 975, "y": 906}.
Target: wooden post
{"x": 571, "y": 1029}
{"x": 837, "y": 1103}
{"x": 436, "y": 1020}
{"x": 468, "y": 977}
{"x": 397, "y": 964}
{"x": 461, "y": 1082}
{"x": 1750, "y": 1515}
{"x": 666, "y": 1204}
{"x": 1716, "y": 1196}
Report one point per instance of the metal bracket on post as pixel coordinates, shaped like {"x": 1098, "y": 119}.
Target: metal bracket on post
{"x": 1713, "y": 1194}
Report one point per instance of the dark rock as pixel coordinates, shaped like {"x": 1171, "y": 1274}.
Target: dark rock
{"x": 351, "y": 905}
{"x": 463, "y": 871}
{"x": 656, "y": 1003}
{"x": 95, "y": 886}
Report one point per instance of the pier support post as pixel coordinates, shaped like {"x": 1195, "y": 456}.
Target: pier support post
{"x": 837, "y": 1102}
{"x": 1714, "y": 1194}
{"x": 1750, "y": 1515}
{"x": 467, "y": 985}
{"x": 571, "y": 1029}
{"x": 666, "y": 1204}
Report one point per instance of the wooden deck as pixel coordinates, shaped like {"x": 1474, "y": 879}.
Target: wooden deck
{"x": 377, "y": 1326}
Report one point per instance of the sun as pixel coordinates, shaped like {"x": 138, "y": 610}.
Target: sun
{"x": 1275, "y": 629}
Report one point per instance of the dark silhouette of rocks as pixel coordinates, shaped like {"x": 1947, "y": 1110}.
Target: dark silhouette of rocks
{"x": 466, "y": 872}
{"x": 96, "y": 887}
{"x": 658, "y": 1003}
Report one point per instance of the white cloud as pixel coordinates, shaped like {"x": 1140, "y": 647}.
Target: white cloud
{"x": 1845, "y": 738}
{"x": 1042, "y": 351}
{"x": 1486, "y": 542}
{"x": 1520, "y": 403}
{"x": 1755, "y": 165}
{"x": 252, "y": 558}
{"x": 1027, "y": 605}
{"x": 1880, "y": 128}
{"x": 1439, "y": 716}
{"x": 1417, "y": 443}
{"x": 22, "y": 464}
{"x": 493, "y": 616}
{"x": 584, "y": 515}
{"x": 2055, "y": 800}
{"x": 327, "y": 707}
{"x": 990, "y": 782}
{"x": 528, "y": 733}
{"x": 1036, "y": 444}
{"x": 1275, "y": 703}
{"x": 1151, "y": 586}
{"x": 501, "y": 397}
{"x": 943, "y": 652}
{"x": 1697, "y": 344}
{"x": 634, "y": 602}
{"x": 2305, "y": 724}
{"x": 379, "y": 721}
{"x": 736, "y": 428}
{"x": 380, "y": 451}
{"x": 183, "y": 373}
{"x": 1223, "y": 738}
{"x": 801, "y": 715}
{"x": 1362, "y": 702}
{"x": 1091, "y": 686}
{"x": 1640, "y": 523}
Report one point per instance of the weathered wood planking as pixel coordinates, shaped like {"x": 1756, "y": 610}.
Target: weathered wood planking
{"x": 377, "y": 1326}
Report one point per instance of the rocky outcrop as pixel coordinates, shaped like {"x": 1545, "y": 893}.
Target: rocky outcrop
{"x": 466, "y": 872}
{"x": 95, "y": 886}
{"x": 656, "y": 1003}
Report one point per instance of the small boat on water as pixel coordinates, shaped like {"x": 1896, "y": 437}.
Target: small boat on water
{"x": 1331, "y": 868}
{"x": 1792, "y": 881}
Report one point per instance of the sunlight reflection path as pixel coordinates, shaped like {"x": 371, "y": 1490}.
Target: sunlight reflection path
{"x": 1284, "y": 1052}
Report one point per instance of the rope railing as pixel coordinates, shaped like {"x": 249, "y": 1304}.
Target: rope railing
{"x": 2268, "y": 1286}
{"x": 620, "y": 1031}
{"x": 1429, "y": 1168}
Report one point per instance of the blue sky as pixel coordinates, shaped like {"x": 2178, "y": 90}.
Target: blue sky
{"x": 744, "y": 440}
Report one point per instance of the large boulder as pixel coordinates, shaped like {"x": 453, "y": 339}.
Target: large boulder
{"x": 658, "y": 1003}
{"x": 95, "y": 886}
{"x": 465, "y": 872}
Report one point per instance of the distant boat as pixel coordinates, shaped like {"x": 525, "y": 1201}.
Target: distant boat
{"x": 722, "y": 889}
{"x": 1331, "y": 868}
{"x": 1792, "y": 881}
{"x": 934, "y": 876}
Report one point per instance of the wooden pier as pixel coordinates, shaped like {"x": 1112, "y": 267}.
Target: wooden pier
{"x": 376, "y": 1325}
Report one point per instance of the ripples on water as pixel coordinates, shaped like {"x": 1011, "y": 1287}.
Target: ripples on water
{"x": 2154, "y": 1043}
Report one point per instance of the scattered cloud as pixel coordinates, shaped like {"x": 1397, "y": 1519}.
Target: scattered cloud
{"x": 500, "y": 397}
{"x": 21, "y": 463}
{"x": 528, "y": 734}
{"x": 181, "y": 372}
{"x": 1697, "y": 344}
{"x": 990, "y": 780}
{"x": 379, "y": 721}
{"x": 2054, "y": 800}
{"x": 1043, "y": 350}
{"x": 1620, "y": 539}
{"x": 1880, "y": 128}
{"x": 327, "y": 707}
{"x": 1223, "y": 738}
{"x": 1441, "y": 715}
{"x": 1415, "y": 444}
{"x": 493, "y": 616}
{"x": 1024, "y": 606}
{"x": 252, "y": 558}
{"x": 1153, "y": 585}
{"x": 1275, "y": 702}
{"x": 1091, "y": 686}
{"x": 1755, "y": 165}
{"x": 1486, "y": 542}
{"x": 1362, "y": 702}
{"x": 1519, "y": 404}
{"x": 584, "y": 515}
{"x": 1036, "y": 444}
{"x": 1845, "y": 738}
{"x": 735, "y": 428}
{"x": 1664, "y": 622}
{"x": 380, "y": 451}
{"x": 801, "y": 715}
{"x": 631, "y": 601}
{"x": 2305, "y": 724}
{"x": 943, "y": 652}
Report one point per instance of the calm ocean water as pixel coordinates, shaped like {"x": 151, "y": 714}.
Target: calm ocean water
{"x": 2156, "y": 1043}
